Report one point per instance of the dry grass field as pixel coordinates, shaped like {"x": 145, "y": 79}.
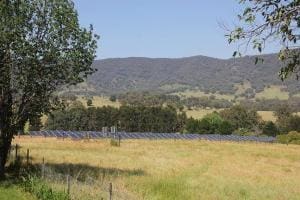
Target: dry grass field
{"x": 273, "y": 92}
{"x": 169, "y": 169}
{"x": 99, "y": 101}
{"x": 267, "y": 115}
{"x": 199, "y": 93}
{"x": 199, "y": 113}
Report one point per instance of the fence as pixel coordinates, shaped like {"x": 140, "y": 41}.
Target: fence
{"x": 79, "y": 181}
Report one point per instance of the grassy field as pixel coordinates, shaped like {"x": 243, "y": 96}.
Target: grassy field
{"x": 11, "y": 192}
{"x": 99, "y": 101}
{"x": 199, "y": 93}
{"x": 273, "y": 92}
{"x": 199, "y": 113}
{"x": 267, "y": 115}
{"x": 169, "y": 169}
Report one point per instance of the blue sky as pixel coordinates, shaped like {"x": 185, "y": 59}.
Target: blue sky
{"x": 160, "y": 28}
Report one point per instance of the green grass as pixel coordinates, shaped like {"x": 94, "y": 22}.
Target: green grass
{"x": 13, "y": 192}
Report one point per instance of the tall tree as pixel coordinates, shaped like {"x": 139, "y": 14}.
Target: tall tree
{"x": 42, "y": 48}
{"x": 265, "y": 21}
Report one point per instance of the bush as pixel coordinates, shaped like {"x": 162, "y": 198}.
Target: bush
{"x": 113, "y": 98}
{"x": 292, "y": 137}
{"x": 41, "y": 190}
{"x": 225, "y": 128}
{"x": 294, "y": 123}
{"x": 270, "y": 129}
{"x": 209, "y": 124}
{"x": 240, "y": 117}
{"x": 89, "y": 102}
{"x": 114, "y": 143}
{"x": 244, "y": 132}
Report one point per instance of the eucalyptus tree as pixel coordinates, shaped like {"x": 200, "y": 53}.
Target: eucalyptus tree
{"x": 268, "y": 21}
{"x": 42, "y": 48}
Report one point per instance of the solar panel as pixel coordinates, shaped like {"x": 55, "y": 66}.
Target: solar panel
{"x": 148, "y": 135}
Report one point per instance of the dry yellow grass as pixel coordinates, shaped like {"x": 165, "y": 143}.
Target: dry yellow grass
{"x": 272, "y": 93}
{"x": 99, "y": 101}
{"x": 199, "y": 113}
{"x": 267, "y": 115}
{"x": 193, "y": 170}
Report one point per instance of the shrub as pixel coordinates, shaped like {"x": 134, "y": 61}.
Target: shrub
{"x": 240, "y": 117}
{"x": 89, "y": 102}
{"x": 209, "y": 124}
{"x": 113, "y": 98}
{"x": 294, "y": 123}
{"x": 243, "y": 132}
{"x": 114, "y": 143}
{"x": 270, "y": 129}
{"x": 225, "y": 128}
{"x": 292, "y": 137}
{"x": 41, "y": 190}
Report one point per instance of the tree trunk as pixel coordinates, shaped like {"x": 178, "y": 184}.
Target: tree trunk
{"x": 5, "y": 145}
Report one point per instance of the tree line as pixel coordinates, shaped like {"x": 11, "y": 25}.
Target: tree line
{"x": 237, "y": 119}
{"x": 126, "y": 118}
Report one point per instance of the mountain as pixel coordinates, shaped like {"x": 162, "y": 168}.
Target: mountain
{"x": 120, "y": 75}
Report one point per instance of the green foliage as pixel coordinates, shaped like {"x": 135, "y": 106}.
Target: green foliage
{"x": 270, "y": 129}
{"x": 35, "y": 124}
{"x": 294, "y": 123}
{"x": 10, "y": 191}
{"x": 210, "y": 124}
{"x": 126, "y": 118}
{"x": 42, "y": 48}
{"x": 41, "y": 190}
{"x": 113, "y": 98}
{"x": 89, "y": 102}
{"x": 240, "y": 117}
{"x": 243, "y": 132}
{"x": 266, "y": 21}
{"x": 292, "y": 137}
{"x": 286, "y": 120}
{"x": 225, "y": 128}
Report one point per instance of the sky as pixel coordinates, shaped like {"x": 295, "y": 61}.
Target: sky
{"x": 161, "y": 28}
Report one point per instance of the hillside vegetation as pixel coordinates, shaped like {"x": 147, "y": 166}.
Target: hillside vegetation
{"x": 208, "y": 75}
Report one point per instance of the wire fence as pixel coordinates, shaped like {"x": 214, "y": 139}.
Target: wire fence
{"x": 79, "y": 181}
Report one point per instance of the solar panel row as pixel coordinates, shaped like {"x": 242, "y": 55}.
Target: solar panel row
{"x": 154, "y": 136}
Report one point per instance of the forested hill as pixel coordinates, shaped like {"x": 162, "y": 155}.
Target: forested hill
{"x": 119, "y": 75}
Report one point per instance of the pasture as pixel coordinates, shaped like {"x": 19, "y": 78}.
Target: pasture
{"x": 169, "y": 169}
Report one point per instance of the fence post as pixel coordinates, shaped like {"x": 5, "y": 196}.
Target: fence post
{"x": 68, "y": 184}
{"x": 27, "y": 157}
{"x": 43, "y": 168}
{"x": 110, "y": 191}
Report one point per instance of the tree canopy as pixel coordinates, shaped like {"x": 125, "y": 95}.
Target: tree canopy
{"x": 42, "y": 48}
{"x": 266, "y": 21}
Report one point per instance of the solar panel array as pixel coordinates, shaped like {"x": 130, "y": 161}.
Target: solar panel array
{"x": 151, "y": 136}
